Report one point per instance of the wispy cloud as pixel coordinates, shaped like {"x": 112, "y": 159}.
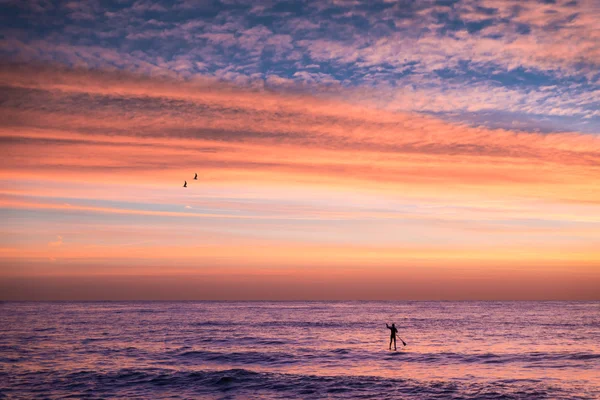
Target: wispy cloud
{"x": 540, "y": 59}
{"x": 57, "y": 243}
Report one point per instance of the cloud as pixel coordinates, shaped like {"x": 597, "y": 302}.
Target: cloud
{"x": 394, "y": 46}
{"x": 57, "y": 243}
{"x": 575, "y": 101}
{"x": 131, "y": 123}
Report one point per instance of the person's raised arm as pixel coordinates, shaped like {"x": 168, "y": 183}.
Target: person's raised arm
{"x": 387, "y": 326}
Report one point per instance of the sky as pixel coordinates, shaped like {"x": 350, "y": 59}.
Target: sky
{"x": 345, "y": 150}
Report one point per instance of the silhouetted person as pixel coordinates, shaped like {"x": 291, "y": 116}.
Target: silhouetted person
{"x": 185, "y": 184}
{"x": 393, "y": 332}
{"x": 196, "y": 176}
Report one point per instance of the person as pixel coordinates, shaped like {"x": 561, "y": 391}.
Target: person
{"x": 393, "y": 332}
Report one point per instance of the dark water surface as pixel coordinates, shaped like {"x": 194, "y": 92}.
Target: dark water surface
{"x": 281, "y": 350}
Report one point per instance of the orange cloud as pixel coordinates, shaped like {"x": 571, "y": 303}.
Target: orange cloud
{"x": 281, "y": 135}
{"x": 58, "y": 242}
{"x": 285, "y": 180}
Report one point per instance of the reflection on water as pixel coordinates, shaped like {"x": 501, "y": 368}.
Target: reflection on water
{"x": 301, "y": 349}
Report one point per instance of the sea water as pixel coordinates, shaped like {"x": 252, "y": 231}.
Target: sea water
{"x": 282, "y": 350}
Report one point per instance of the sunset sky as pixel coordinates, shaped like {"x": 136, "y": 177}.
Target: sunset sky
{"x": 344, "y": 149}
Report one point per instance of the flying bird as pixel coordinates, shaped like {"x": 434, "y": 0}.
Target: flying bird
{"x": 196, "y": 176}
{"x": 185, "y": 184}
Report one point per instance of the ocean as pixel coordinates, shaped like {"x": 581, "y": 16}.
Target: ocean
{"x": 300, "y": 350}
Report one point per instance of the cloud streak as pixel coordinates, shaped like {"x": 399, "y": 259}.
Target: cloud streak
{"x": 124, "y": 121}
{"x": 538, "y": 59}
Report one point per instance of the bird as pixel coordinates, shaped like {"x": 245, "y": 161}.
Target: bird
{"x": 185, "y": 184}
{"x": 196, "y": 176}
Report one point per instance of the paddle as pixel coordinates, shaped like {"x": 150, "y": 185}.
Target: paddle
{"x": 403, "y": 342}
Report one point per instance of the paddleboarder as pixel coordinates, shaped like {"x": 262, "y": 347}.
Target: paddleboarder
{"x": 393, "y": 332}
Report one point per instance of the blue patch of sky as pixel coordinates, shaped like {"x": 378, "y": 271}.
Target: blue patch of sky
{"x": 523, "y": 122}
{"x": 382, "y": 73}
{"x": 283, "y": 69}
{"x": 518, "y": 77}
{"x": 474, "y": 27}
{"x": 348, "y": 75}
{"x": 486, "y": 10}
{"x": 355, "y": 21}
{"x": 31, "y": 25}
{"x": 73, "y": 218}
{"x": 199, "y": 11}
{"x": 55, "y": 217}
{"x": 265, "y": 20}
{"x": 165, "y": 49}
{"x": 376, "y": 6}
{"x": 523, "y": 29}
{"x": 447, "y": 3}
{"x": 289, "y": 7}
{"x": 152, "y": 207}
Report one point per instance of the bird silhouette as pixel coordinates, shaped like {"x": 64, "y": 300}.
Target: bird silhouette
{"x": 185, "y": 184}
{"x": 196, "y": 176}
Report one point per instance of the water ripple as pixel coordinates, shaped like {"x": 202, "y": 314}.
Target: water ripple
{"x": 463, "y": 350}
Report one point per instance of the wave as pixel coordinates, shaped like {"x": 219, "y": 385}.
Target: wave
{"x": 247, "y": 357}
{"x": 240, "y": 350}
{"x": 313, "y": 324}
{"x": 491, "y": 358}
{"x": 214, "y": 323}
{"x": 530, "y": 360}
{"x": 156, "y": 382}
